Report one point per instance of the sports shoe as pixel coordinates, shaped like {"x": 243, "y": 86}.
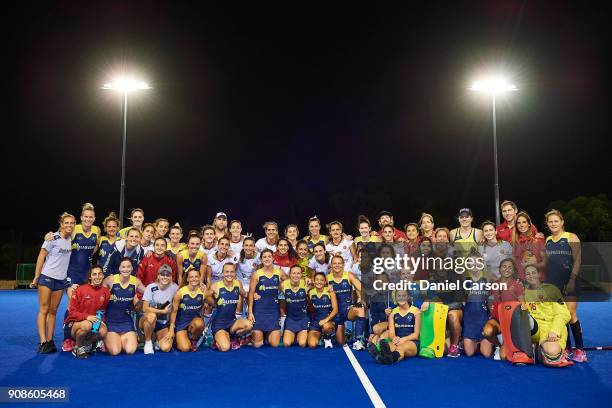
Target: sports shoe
{"x": 156, "y": 345}
{"x": 43, "y": 348}
{"x": 328, "y": 343}
{"x": 358, "y": 345}
{"x": 148, "y": 347}
{"x": 496, "y": 355}
{"x": 453, "y": 351}
{"x": 51, "y": 346}
{"x": 100, "y": 346}
{"x": 80, "y": 352}
{"x": 386, "y": 357}
{"x": 235, "y": 344}
{"x": 579, "y": 356}
{"x": 371, "y": 348}
{"x": 68, "y": 345}
{"x": 246, "y": 341}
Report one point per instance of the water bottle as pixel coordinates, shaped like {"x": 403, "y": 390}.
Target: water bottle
{"x": 96, "y": 325}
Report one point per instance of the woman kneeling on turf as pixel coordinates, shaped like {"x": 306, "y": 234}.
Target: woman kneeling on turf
{"x": 121, "y": 334}
{"x": 401, "y": 340}
{"x": 550, "y": 317}
{"x": 87, "y": 306}
{"x": 157, "y": 306}
{"x": 325, "y": 306}
{"x": 185, "y": 321}
{"x": 227, "y": 296}
{"x": 294, "y": 307}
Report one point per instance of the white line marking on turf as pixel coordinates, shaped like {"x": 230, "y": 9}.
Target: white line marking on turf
{"x": 365, "y": 381}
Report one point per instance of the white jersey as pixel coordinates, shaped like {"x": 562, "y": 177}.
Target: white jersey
{"x": 208, "y": 251}
{"x": 493, "y": 255}
{"x": 58, "y": 257}
{"x": 245, "y": 269}
{"x": 262, "y": 244}
{"x": 318, "y": 267}
{"x": 236, "y": 247}
{"x": 216, "y": 266}
{"x": 343, "y": 249}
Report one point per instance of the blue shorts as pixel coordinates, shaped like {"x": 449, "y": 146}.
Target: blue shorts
{"x": 161, "y": 325}
{"x": 183, "y": 325}
{"x": 52, "y": 283}
{"x": 219, "y": 324}
{"x": 342, "y": 315}
{"x": 296, "y": 325}
{"x": 120, "y": 327}
{"x": 474, "y": 319}
{"x": 267, "y": 320}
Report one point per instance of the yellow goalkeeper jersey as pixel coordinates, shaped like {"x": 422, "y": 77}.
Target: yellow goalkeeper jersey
{"x": 547, "y": 307}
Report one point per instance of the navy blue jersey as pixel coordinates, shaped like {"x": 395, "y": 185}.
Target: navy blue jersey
{"x": 121, "y": 300}
{"x": 403, "y": 321}
{"x": 295, "y": 300}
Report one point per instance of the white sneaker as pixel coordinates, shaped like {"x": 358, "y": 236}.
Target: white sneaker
{"x": 496, "y": 356}
{"x": 148, "y": 347}
{"x": 328, "y": 343}
{"x": 358, "y": 345}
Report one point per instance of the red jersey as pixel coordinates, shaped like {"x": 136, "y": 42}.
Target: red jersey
{"x": 412, "y": 248}
{"x": 511, "y": 294}
{"x": 149, "y": 266}
{"x": 86, "y": 300}
{"x": 284, "y": 261}
{"x": 397, "y": 234}
{"x": 504, "y": 232}
{"x": 524, "y": 247}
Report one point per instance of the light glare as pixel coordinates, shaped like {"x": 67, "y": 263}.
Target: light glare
{"x": 493, "y": 86}
{"x": 126, "y": 84}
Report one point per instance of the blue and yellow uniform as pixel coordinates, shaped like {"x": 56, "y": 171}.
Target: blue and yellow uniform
{"x": 118, "y": 318}
{"x": 560, "y": 262}
{"x": 344, "y": 294}
{"x": 404, "y": 321}
{"x": 475, "y": 312}
{"x": 105, "y": 254}
{"x": 189, "y": 264}
{"x": 190, "y": 307}
{"x": 322, "y": 305}
{"x": 295, "y": 300}
{"x": 266, "y": 308}
{"x": 463, "y": 246}
{"x": 181, "y": 247}
{"x": 83, "y": 246}
{"x": 323, "y": 239}
{"x": 226, "y": 300}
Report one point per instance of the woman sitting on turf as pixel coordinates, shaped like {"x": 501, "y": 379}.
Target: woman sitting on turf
{"x": 87, "y": 305}
{"x": 550, "y": 317}
{"x": 294, "y": 307}
{"x": 325, "y": 307}
{"x": 401, "y": 340}
{"x": 227, "y": 295}
{"x": 123, "y": 286}
{"x": 185, "y": 321}
{"x": 515, "y": 292}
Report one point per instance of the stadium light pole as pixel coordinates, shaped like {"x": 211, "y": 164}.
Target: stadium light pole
{"x": 494, "y": 87}
{"x": 125, "y": 86}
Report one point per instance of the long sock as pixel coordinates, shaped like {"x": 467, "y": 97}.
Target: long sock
{"x": 396, "y": 356}
{"x": 67, "y": 328}
{"x": 568, "y": 344}
{"x": 360, "y": 324}
{"x": 577, "y": 333}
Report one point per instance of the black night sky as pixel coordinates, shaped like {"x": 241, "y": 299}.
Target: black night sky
{"x": 283, "y": 112}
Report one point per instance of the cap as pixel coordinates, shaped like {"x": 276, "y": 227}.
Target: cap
{"x": 464, "y": 211}
{"x": 380, "y": 214}
{"x": 221, "y": 214}
{"x": 164, "y": 270}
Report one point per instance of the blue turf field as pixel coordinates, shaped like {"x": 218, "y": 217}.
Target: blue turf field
{"x": 295, "y": 377}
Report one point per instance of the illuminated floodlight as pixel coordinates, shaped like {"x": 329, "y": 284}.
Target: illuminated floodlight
{"x": 126, "y": 84}
{"x": 493, "y": 86}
